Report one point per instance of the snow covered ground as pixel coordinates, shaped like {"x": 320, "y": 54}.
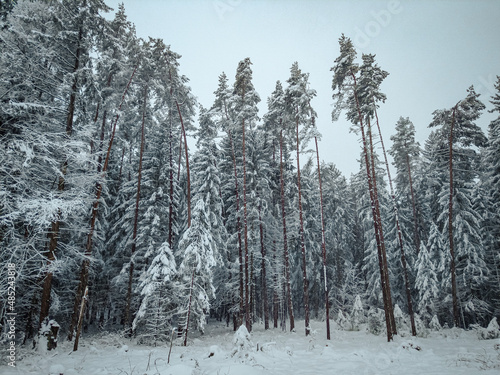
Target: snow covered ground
{"x": 449, "y": 351}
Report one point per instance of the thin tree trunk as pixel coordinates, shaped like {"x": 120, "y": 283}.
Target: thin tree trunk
{"x": 323, "y": 244}
{"x": 263, "y": 267}
{"x": 127, "y": 321}
{"x": 84, "y": 272}
{"x": 80, "y": 320}
{"x": 381, "y": 233}
{"x": 187, "y": 164}
{"x": 285, "y": 241}
{"x": 398, "y": 229}
{"x": 414, "y": 207}
{"x": 302, "y": 240}
{"x": 189, "y": 310}
{"x": 456, "y": 315}
{"x": 276, "y": 302}
{"x": 248, "y": 322}
{"x": 238, "y": 229}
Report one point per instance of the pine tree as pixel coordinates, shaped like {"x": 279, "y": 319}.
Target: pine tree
{"x": 457, "y": 133}
{"x": 298, "y": 97}
{"x": 359, "y": 104}
{"x": 491, "y": 201}
{"x": 243, "y": 106}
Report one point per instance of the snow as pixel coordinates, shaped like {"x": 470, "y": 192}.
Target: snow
{"x": 449, "y": 351}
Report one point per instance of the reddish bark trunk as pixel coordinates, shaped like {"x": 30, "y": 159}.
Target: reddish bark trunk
{"x": 400, "y": 237}
{"x": 456, "y": 315}
{"x": 238, "y": 229}
{"x": 189, "y": 310}
{"x": 127, "y": 322}
{"x": 323, "y": 244}
{"x": 263, "y": 267}
{"x": 302, "y": 240}
{"x": 383, "y": 277}
{"x": 285, "y": 241}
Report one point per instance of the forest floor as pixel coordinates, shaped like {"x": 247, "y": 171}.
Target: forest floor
{"x": 450, "y": 351}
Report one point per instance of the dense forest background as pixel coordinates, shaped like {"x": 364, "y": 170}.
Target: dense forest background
{"x": 111, "y": 221}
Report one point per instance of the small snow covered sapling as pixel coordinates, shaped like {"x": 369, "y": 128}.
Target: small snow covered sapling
{"x": 491, "y": 332}
{"x": 242, "y": 342}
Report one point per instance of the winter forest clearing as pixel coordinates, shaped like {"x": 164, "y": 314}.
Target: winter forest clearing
{"x": 117, "y": 233}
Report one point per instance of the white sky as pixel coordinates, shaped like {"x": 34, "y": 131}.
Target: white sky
{"x": 433, "y": 51}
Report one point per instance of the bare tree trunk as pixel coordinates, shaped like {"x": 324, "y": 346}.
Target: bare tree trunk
{"x": 276, "y": 302}
{"x": 414, "y": 207}
{"x": 398, "y": 229}
{"x": 189, "y": 310}
{"x": 127, "y": 320}
{"x": 238, "y": 229}
{"x": 187, "y": 164}
{"x": 263, "y": 267}
{"x": 381, "y": 232}
{"x": 248, "y": 321}
{"x": 285, "y": 241}
{"x": 80, "y": 320}
{"x": 302, "y": 240}
{"x": 456, "y": 315}
{"x": 323, "y": 244}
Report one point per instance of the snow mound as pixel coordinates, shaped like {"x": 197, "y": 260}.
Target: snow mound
{"x": 242, "y": 344}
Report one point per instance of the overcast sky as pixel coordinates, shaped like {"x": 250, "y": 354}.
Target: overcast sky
{"x": 433, "y": 51}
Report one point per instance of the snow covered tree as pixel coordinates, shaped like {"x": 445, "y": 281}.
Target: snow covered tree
{"x": 300, "y": 115}
{"x": 456, "y": 135}
{"x": 491, "y": 201}
{"x": 152, "y": 322}
{"x": 358, "y": 99}
{"x": 197, "y": 256}
{"x": 243, "y": 109}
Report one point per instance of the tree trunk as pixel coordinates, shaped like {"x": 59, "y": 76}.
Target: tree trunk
{"x": 398, "y": 229}
{"x": 248, "y": 322}
{"x": 389, "y": 308}
{"x": 456, "y": 315}
{"x": 238, "y": 229}
{"x": 376, "y": 222}
{"x": 80, "y": 319}
{"x": 127, "y": 320}
{"x": 263, "y": 267}
{"x": 189, "y": 310}
{"x": 285, "y": 241}
{"x": 187, "y": 164}
{"x": 323, "y": 244}
{"x": 302, "y": 240}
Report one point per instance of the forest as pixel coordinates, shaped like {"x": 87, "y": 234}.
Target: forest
{"x": 127, "y": 206}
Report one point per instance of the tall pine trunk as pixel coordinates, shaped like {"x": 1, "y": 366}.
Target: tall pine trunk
{"x": 398, "y": 229}
{"x": 302, "y": 240}
{"x": 238, "y": 229}
{"x": 376, "y": 224}
{"x": 456, "y": 315}
{"x": 263, "y": 270}
{"x": 127, "y": 321}
{"x": 248, "y": 322}
{"x": 288, "y": 289}
{"x": 323, "y": 244}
